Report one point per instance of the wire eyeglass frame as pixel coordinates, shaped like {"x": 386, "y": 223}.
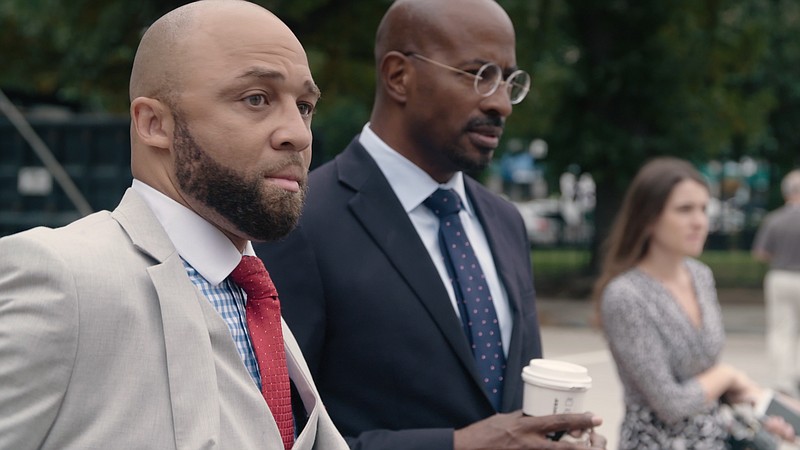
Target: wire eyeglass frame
{"x": 517, "y": 83}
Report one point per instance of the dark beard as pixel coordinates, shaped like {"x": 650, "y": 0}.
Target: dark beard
{"x": 239, "y": 199}
{"x": 462, "y": 159}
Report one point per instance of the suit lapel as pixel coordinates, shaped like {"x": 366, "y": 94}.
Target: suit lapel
{"x": 383, "y": 217}
{"x": 498, "y": 243}
{"x": 301, "y": 377}
{"x": 195, "y": 417}
{"x": 192, "y": 372}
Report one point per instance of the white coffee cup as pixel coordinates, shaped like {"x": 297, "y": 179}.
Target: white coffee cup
{"x": 554, "y": 387}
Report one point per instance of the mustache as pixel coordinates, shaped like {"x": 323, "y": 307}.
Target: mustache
{"x": 492, "y": 121}
{"x": 293, "y": 160}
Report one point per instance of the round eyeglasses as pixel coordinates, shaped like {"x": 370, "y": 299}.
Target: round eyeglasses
{"x": 489, "y": 77}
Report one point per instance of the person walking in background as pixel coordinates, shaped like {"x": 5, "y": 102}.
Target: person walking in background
{"x": 406, "y": 355}
{"x": 778, "y": 243}
{"x": 659, "y": 311}
{"x": 132, "y": 328}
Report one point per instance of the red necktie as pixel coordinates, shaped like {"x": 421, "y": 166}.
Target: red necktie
{"x": 263, "y": 312}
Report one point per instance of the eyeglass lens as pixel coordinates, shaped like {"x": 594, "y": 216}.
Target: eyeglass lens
{"x": 518, "y": 85}
{"x": 490, "y": 76}
{"x": 487, "y": 79}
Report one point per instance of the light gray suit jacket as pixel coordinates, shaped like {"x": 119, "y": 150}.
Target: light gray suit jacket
{"x": 105, "y": 343}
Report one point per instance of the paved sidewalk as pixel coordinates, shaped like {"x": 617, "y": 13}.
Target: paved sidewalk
{"x": 585, "y": 346}
{"x": 568, "y": 335}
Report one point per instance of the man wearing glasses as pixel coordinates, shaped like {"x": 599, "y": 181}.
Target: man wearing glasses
{"x": 407, "y": 284}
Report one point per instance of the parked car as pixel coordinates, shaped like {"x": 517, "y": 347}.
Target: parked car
{"x": 542, "y": 220}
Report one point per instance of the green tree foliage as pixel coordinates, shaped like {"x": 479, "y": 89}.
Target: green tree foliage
{"x": 82, "y": 51}
{"x": 614, "y": 82}
{"x": 682, "y": 78}
{"x": 77, "y": 50}
{"x": 637, "y": 79}
{"x": 782, "y": 73}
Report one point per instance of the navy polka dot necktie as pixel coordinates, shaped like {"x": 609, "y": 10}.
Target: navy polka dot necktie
{"x": 472, "y": 293}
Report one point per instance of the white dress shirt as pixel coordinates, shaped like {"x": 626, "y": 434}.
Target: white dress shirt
{"x": 216, "y": 258}
{"x": 208, "y": 265}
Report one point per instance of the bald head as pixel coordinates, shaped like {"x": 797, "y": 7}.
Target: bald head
{"x": 221, "y": 104}
{"x": 417, "y": 25}
{"x": 790, "y": 186}
{"x": 426, "y": 103}
{"x": 166, "y": 46}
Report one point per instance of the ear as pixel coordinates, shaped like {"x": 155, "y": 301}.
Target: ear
{"x": 152, "y": 122}
{"x": 396, "y": 74}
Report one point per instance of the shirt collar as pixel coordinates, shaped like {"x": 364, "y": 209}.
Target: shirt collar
{"x": 216, "y": 258}
{"x": 411, "y": 184}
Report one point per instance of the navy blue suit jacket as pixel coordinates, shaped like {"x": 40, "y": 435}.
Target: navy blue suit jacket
{"x": 374, "y": 321}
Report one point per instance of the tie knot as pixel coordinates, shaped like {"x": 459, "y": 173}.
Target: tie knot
{"x": 444, "y": 202}
{"x": 253, "y": 278}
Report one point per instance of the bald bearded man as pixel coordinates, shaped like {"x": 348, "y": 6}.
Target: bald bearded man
{"x": 124, "y": 330}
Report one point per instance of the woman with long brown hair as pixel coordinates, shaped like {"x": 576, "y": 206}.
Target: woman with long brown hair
{"x": 659, "y": 311}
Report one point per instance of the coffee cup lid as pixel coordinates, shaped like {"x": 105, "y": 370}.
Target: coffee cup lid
{"x": 557, "y": 374}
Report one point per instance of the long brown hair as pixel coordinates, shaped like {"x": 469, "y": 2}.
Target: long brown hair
{"x": 629, "y": 239}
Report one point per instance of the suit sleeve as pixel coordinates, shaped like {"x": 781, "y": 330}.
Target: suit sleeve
{"x": 38, "y": 338}
{"x": 420, "y": 439}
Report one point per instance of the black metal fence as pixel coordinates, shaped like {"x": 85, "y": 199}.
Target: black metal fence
{"x": 94, "y": 151}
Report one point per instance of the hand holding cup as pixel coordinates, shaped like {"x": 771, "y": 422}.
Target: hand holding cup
{"x": 554, "y": 387}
